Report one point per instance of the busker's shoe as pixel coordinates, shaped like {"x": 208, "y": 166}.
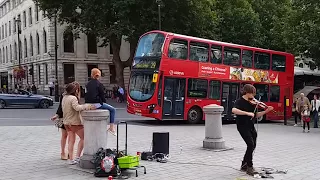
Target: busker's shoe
{"x": 251, "y": 171}
{"x": 244, "y": 166}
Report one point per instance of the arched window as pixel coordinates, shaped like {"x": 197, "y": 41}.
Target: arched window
{"x": 92, "y": 44}
{"x": 31, "y": 45}
{"x": 25, "y": 48}
{"x": 45, "y": 41}
{"x": 301, "y": 65}
{"x": 68, "y": 42}
{"x": 38, "y": 44}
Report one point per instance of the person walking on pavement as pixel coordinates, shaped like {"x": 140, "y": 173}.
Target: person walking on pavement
{"x": 305, "y": 115}
{"x": 121, "y": 94}
{"x": 95, "y": 95}
{"x": 51, "y": 87}
{"x": 64, "y": 133}
{"x": 295, "y": 113}
{"x": 72, "y": 119}
{"x": 246, "y": 113}
{"x": 301, "y": 102}
{"x": 315, "y": 103}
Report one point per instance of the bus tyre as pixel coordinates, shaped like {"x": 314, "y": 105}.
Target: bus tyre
{"x": 194, "y": 115}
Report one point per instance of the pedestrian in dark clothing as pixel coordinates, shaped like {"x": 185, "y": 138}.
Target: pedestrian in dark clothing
{"x": 95, "y": 95}
{"x": 246, "y": 112}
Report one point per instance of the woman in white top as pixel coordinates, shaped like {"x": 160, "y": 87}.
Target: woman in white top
{"x": 315, "y": 103}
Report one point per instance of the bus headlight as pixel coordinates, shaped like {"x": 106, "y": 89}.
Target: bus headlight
{"x": 151, "y": 106}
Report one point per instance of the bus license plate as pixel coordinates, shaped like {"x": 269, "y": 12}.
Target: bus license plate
{"x": 138, "y": 114}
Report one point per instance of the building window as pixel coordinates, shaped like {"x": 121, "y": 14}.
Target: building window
{"x": 20, "y": 49}
{"x": 31, "y": 45}
{"x": 274, "y": 93}
{"x": 112, "y": 71}
{"x": 4, "y": 55}
{"x": 30, "y": 16}
{"x": 9, "y": 28}
{"x": 262, "y": 91}
{"x": 10, "y": 54}
{"x": 38, "y": 44}
{"x": 25, "y": 48}
{"x": 68, "y": 71}
{"x": 14, "y": 25}
{"x": 24, "y": 19}
{"x": 6, "y": 30}
{"x": 231, "y": 56}
{"x": 7, "y": 57}
{"x": 1, "y": 60}
{"x": 92, "y": 44}
{"x": 214, "y": 90}
{"x": 15, "y": 51}
{"x": 37, "y": 12}
{"x": 197, "y": 88}
{"x": 46, "y": 74}
{"x": 45, "y": 41}
{"x": 90, "y": 67}
{"x": 68, "y": 42}
{"x": 39, "y": 73}
{"x": 216, "y": 54}
{"x": 178, "y": 49}
{"x": 110, "y": 49}
{"x": 262, "y": 60}
{"x": 247, "y": 57}
{"x": 278, "y": 63}
{"x": 2, "y": 32}
{"x": 199, "y": 51}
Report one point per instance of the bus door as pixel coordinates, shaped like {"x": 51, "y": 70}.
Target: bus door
{"x": 230, "y": 93}
{"x": 173, "y": 98}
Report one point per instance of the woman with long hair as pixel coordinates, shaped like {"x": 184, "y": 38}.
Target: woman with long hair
{"x": 95, "y": 95}
{"x": 72, "y": 119}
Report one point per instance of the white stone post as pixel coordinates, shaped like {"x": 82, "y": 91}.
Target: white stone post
{"x": 95, "y": 135}
{"x": 213, "y": 127}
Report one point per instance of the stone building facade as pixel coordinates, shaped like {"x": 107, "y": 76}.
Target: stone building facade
{"x": 76, "y": 56}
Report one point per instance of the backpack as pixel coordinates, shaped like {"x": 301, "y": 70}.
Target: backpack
{"x": 105, "y": 163}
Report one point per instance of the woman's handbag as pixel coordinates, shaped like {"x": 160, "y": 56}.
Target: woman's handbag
{"x": 58, "y": 123}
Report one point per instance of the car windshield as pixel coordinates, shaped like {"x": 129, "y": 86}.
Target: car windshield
{"x": 150, "y": 45}
{"x": 141, "y": 86}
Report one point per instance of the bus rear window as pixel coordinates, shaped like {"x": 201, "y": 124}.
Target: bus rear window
{"x": 278, "y": 63}
{"x": 150, "y": 45}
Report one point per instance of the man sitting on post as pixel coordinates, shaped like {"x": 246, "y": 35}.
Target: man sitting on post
{"x": 95, "y": 95}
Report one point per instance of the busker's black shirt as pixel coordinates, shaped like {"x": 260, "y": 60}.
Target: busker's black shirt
{"x": 244, "y": 122}
{"x": 95, "y": 92}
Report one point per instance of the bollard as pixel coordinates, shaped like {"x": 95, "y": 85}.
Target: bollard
{"x": 95, "y": 135}
{"x": 213, "y": 128}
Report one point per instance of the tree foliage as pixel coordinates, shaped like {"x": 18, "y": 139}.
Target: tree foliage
{"x": 284, "y": 25}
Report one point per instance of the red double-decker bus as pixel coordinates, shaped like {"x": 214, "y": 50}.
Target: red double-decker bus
{"x": 174, "y": 76}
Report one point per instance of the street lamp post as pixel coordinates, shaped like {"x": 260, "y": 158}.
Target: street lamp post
{"x": 56, "y": 88}
{"x": 159, "y": 13}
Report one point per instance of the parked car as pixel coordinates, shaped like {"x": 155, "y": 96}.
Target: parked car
{"x": 25, "y": 98}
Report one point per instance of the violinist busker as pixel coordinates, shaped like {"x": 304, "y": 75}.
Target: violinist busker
{"x": 246, "y": 110}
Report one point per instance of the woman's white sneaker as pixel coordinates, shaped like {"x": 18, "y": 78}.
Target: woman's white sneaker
{"x": 72, "y": 162}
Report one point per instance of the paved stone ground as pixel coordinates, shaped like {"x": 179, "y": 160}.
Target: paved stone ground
{"x": 34, "y": 152}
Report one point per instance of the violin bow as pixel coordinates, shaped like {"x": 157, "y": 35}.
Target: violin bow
{"x": 256, "y": 108}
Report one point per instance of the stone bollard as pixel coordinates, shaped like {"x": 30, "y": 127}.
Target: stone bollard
{"x": 213, "y": 128}
{"x": 95, "y": 135}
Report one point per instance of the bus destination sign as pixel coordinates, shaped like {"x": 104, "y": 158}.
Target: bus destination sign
{"x": 144, "y": 64}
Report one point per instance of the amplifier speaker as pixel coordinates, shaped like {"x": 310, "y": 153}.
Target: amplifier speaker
{"x": 160, "y": 143}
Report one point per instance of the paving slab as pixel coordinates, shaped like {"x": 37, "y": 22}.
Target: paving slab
{"x": 34, "y": 152}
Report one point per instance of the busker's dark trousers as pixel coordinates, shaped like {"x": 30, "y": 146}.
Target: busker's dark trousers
{"x": 249, "y": 135}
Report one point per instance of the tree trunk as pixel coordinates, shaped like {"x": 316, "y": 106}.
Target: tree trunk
{"x": 116, "y": 44}
{"x": 133, "y": 46}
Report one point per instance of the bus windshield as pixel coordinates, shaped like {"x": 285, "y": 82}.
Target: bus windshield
{"x": 150, "y": 45}
{"x": 141, "y": 86}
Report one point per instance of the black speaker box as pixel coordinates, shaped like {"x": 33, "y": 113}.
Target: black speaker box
{"x": 160, "y": 143}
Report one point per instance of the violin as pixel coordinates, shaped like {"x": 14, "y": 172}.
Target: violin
{"x": 259, "y": 104}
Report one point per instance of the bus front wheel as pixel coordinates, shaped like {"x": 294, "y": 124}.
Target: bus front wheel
{"x": 194, "y": 115}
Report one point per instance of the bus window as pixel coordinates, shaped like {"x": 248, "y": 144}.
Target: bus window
{"x": 262, "y": 91}
{"x": 199, "y": 51}
{"x": 216, "y": 54}
{"x": 262, "y": 60}
{"x": 231, "y": 56}
{"x": 178, "y": 49}
{"x": 278, "y": 63}
{"x": 247, "y": 57}
{"x": 274, "y": 94}
{"x": 214, "y": 90}
{"x": 197, "y": 88}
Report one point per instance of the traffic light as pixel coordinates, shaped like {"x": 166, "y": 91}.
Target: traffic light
{"x": 31, "y": 71}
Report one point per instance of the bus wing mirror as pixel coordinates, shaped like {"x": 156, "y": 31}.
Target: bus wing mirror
{"x": 165, "y": 98}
